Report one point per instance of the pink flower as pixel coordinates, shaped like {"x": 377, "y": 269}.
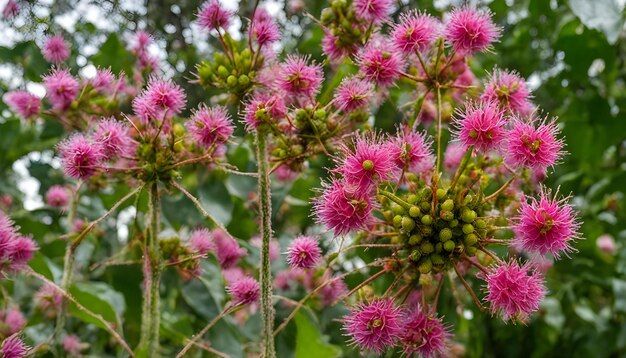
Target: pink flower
{"x": 375, "y": 326}
{"x": 353, "y": 93}
{"x": 534, "y": 145}
{"x": 343, "y": 208}
{"x": 411, "y": 151}
{"x": 166, "y": 95}
{"x": 11, "y": 9}
{"x": 380, "y": 62}
{"x": 453, "y": 156}
{"x": 375, "y": 11}
{"x": 48, "y": 298}
{"x": 22, "y": 251}
{"x": 304, "y": 252}
{"x": 210, "y": 126}
{"x": 14, "y": 347}
{"x": 72, "y": 345}
{"x": 143, "y": 108}
{"x": 366, "y": 165}
{"x": 546, "y": 225}
{"x": 333, "y": 291}
{"x": 233, "y": 274}
{"x": 334, "y": 49}
{"x": 7, "y": 236}
{"x": 200, "y": 241}
{"x": 514, "y": 291}
{"x": 58, "y": 196}
{"x": 15, "y": 321}
{"x": 113, "y": 137}
{"x": 264, "y": 30}
{"x": 245, "y": 291}
{"x": 297, "y": 78}
{"x": 23, "y": 103}
{"x": 55, "y": 49}
{"x": 61, "y": 88}
{"x": 284, "y": 173}
{"x": 141, "y": 41}
{"x": 227, "y": 249}
{"x": 470, "y": 31}
{"x": 80, "y": 157}
{"x": 104, "y": 80}
{"x": 481, "y": 125}
{"x": 423, "y": 334}
{"x": 606, "y": 244}
{"x": 509, "y": 90}
{"x": 415, "y": 32}
{"x": 264, "y": 107}
{"x": 212, "y": 15}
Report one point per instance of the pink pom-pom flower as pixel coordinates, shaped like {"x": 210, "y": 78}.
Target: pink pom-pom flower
{"x": 227, "y": 249}
{"x": 380, "y": 62}
{"x": 61, "y": 88}
{"x": 304, "y": 252}
{"x": 55, "y": 49}
{"x": 58, "y": 196}
{"x": 298, "y": 78}
{"x": 201, "y": 242}
{"x": 470, "y": 30}
{"x": 514, "y": 290}
{"x": 546, "y": 225}
{"x": 481, "y": 125}
{"x": 80, "y": 157}
{"x": 343, "y": 208}
{"x": 14, "y": 347}
{"x": 411, "y": 151}
{"x": 113, "y": 137}
{"x": 510, "y": 90}
{"x": 263, "y": 107}
{"x": 375, "y": 326}
{"x": 375, "y": 11}
{"x": 367, "y": 164}
{"x": 245, "y": 291}
{"x": 353, "y": 93}
{"x": 415, "y": 32}
{"x": 423, "y": 334}
{"x": 166, "y": 95}
{"x": 535, "y": 145}
{"x": 23, "y": 103}
{"x": 209, "y": 126}
{"x": 213, "y": 16}
{"x": 264, "y": 29}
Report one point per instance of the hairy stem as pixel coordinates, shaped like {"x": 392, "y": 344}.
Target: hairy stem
{"x": 206, "y": 328}
{"x": 267, "y": 308}
{"x": 149, "y": 341}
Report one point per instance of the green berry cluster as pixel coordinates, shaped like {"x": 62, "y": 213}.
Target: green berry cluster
{"x": 436, "y": 228}
{"x": 157, "y": 158}
{"x": 346, "y": 28}
{"x": 233, "y": 71}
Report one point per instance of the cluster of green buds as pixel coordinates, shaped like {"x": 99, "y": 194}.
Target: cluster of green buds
{"x": 233, "y": 71}
{"x": 347, "y": 30}
{"x": 437, "y": 228}
{"x": 157, "y": 158}
{"x": 174, "y": 252}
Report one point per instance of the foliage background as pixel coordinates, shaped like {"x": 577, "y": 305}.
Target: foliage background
{"x": 572, "y": 52}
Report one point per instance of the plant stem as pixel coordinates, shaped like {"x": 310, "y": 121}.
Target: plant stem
{"x": 149, "y": 342}
{"x": 267, "y": 308}
{"x": 206, "y": 328}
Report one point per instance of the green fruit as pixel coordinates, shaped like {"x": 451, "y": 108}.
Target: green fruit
{"x": 427, "y": 247}
{"x": 470, "y": 240}
{"x": 412, "y": 199}
{"x": 397, "y": 221}
{"x": 468, "y": 228}
{"x": 468, "y": 216}
{"x": 415, "y": 239}
{"x": 231, "y": 81}
{"x": 445, "y": 234}
{"x": 244, "y": 80}
{"x": 441, "y": 193}
{"x": 408, "y": 224}
{"x": 427, "y": 220}
{"x": 414, "y": 211}
{"x": 425, "y": 266}
{"x": 449, "y": 245}
{"x": 447, "y": 205}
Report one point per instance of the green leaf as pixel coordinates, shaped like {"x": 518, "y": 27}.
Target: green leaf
{"x": 603, "y": 15}
{"x": 99, "y": 298}
{"x": 114, "y": 54}
{"x": 309, "y": 342}
{"x": 216, "y": 199}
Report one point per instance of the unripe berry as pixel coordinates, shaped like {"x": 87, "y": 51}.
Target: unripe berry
{"x": 468, "y": 228}
{"x": 426, "y": 193}
{"x": 438, "y": 247}
{"x": 453, "y": 223}
{"x": 436, "y": 259}
{"x": 397, "y": 209}
{"x": 415, "y": 239}
{"x": 468, "y": 216}
{"x": 231, "y": 81}
{"x": 243, "y": 80}
{"x": 412, "y": 199}
{"x": 425, "y": 266}
{"x": 427, "y": 220}
{"x": 470, "y": 239}
{"x": 446, "y": 215}
{"x": 427, "y": 247}
{"x": 447, "y": 205}
{"x": 471, "y": 250}
{"x": 222, "y": 71}
{"x": 441, "y": 193}
{"x": 414, "y": 211}
{"x": 425, "y": 206}
{"x": 480, "y": 224}
{"x": 445, "y": 234}
{"x": 449, "y": 245}
{"x": 179, "y": 129}
{"x": 320, "y": 114}
{"x": 397, "y": 221}
{"x": 408, "y": 224}
{"x": 415, "y": 255}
